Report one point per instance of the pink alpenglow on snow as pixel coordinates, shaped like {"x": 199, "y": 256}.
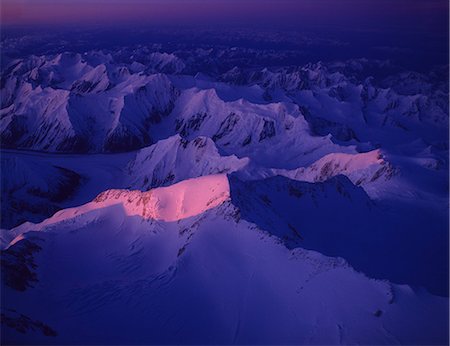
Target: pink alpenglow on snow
{"x": 185, "y": 199}
{"x": 360, "y": 168}
{"x": 182, "y": 200}
{"x": 176, "y": 202}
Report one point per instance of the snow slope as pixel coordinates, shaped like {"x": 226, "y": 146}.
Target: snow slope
{"x": 184, "y": 199}
{"x": 337, "y": 218}
{"x": 273, "y": 135}
{"x": 208, "y": 278}
{"x": 363, "y": 169}
{"x": 175, "y": 159}
{"x": 79, "y": 107}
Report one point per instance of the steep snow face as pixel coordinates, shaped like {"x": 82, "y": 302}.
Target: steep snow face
{"x": 175, "y": 159}
{"x": 375, "y": 112}
{"x": 166, "y": 63}
{"x": 336, "y": 99}
{"x": 207, "y": 279}
{"x": 363, "y": 169}
{"x": 291, "y": 210}
{"x": 370, "y": 170}
{"x": 338, "y": 163}
{"x": 95, "y": 81}
{"x": 179, "y": 201}
{"x": 144, "y": 60}
{"x": 345, "y": 101}
{"x": 141, "y": 104}
{"x": 337, "y": 218}
{"x": 274, "y": 135}
{"x": 307, "y": 77}
{"x": 38, "y": 119}
{"x": 58, "y": 71}
{"x": 92, "y": 115}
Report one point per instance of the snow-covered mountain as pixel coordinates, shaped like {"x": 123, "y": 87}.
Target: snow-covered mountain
{"x": 174, "y": 159}
{"x": 335, "y": 99}
{"x": 339, "y": 99}
{"x": 86, "y": 108}
{"x": 197, "y": 275}
{"x": 337, "y": 218}
{"x": 369, "y": 170}
{"x": 274, "y": 135}
{"x": 180, "y": 193}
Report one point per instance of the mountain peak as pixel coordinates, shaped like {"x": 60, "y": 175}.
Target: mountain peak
{"x": 172, "y": 203}
{"x": 179, "y": 201}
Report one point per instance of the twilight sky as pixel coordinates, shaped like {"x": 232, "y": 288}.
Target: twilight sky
{"x": 428, "y": 15}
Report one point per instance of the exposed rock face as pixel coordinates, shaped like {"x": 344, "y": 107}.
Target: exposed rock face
{"x": 361, "y": 169}
{"x": 88, "y": 108}
{"x": 175, "y": 159}
{"x": 18, "y": 265}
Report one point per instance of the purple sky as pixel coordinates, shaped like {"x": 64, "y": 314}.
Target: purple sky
{"x": 425, "y": 14}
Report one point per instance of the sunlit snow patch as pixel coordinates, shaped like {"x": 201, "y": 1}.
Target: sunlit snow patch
{"x": 176, "y": 202}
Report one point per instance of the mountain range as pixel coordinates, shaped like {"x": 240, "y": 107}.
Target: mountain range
{"x": 189, "y": 196}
